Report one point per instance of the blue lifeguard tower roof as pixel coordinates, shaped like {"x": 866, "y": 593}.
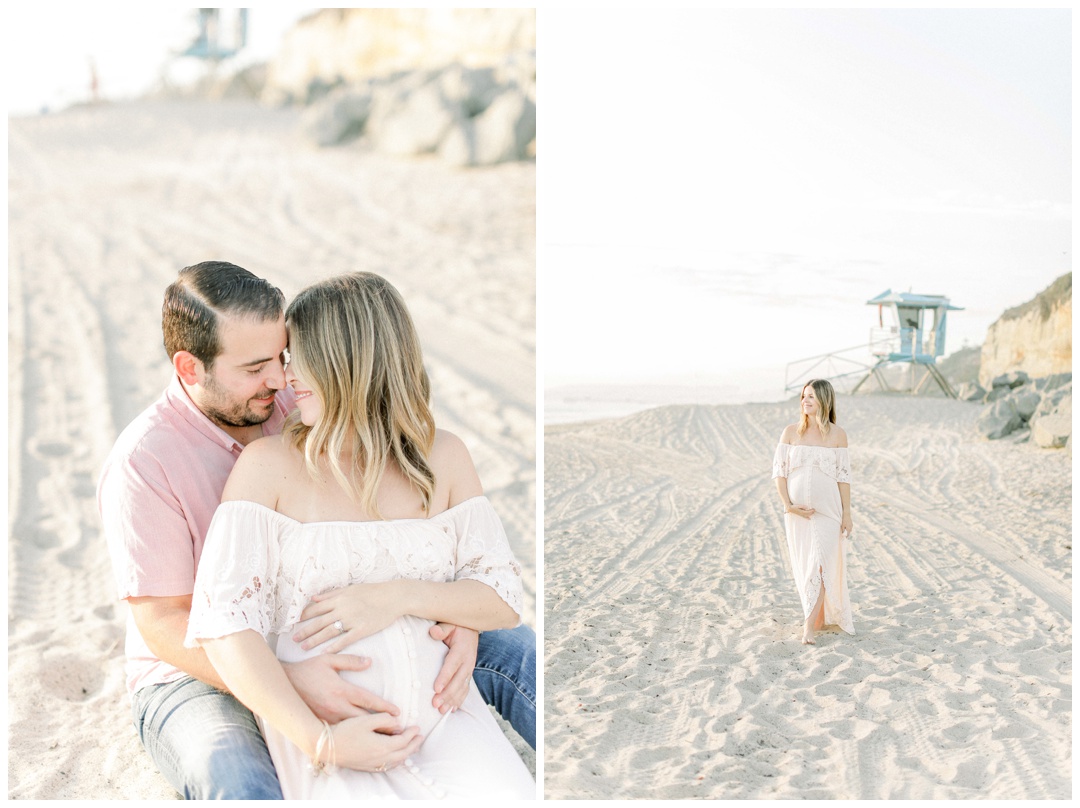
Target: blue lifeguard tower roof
{"x": 916, "y": 301}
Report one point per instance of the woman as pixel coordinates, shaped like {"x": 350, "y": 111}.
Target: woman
{"x": 813, "y": 478}
{"x": 360, "y": 490}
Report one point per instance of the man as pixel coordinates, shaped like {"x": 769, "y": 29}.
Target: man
{"x": 224, "y": 330}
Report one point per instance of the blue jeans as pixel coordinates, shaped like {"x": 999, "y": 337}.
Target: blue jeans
{"x": 208, "y": 745}
{"x": 505, "y": 675}
{"x": 205, "y": 742}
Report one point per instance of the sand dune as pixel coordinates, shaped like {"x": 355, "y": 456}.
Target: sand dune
{"x": 106, "y": 204}
{"x": 674, "y": 667}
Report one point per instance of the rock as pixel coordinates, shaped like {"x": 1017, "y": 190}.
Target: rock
{"x": 1059, "y": 400}
{"x": 246, "y": 84}
{"x": 518, "y": 69}
{"x": 997, "y": 393}
{"x": 970, "y": 391}
{"x": 999, "y": 419}
{"x": 415, "y": 124}
{"x": 339, "y": 117}
{"x": 500, "y": 133}
{"x": 1052, "y": 431}
{"x": 1053, "y": 382}
{"x": 1026, "y": 400}
{"x": 1012, "y": 379}
{"x": 472, "y": 90}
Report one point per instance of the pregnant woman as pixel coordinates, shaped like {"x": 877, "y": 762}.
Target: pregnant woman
{"x": 813, "y": 477}
{"x": 359, "y": 491}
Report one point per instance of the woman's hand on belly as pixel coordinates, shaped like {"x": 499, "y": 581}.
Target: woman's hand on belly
{"x": 372, "y": 743}
{"x": 343, "y": 616}
{"x": 799, "y": 510}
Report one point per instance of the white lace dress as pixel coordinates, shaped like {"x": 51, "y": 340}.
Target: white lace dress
{"x": 815, "y": 545}
{"x": 259, "y": 570}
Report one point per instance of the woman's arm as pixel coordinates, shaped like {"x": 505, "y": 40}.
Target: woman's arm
{"x": 786, "y": 437}
{"x": 796, "y": 510}
{"x": 845, "y": 501}
{"x": 255, "y": 676}
{"x": 845, "y": 488}
{"x": 365, "y": 609}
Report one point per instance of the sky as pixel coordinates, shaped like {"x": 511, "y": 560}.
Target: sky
{"x": 48, "y": 51}
{"x": 721, "y": 191}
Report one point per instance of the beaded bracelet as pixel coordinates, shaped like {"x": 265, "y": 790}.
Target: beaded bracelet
{"x": 326, "y": 739}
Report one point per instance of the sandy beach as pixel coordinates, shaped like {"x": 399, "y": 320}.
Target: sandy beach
{"x": 674, "y": 668}
{"x": 106, "y": 204}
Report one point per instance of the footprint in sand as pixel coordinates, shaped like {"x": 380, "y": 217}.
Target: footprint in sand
{"x": 51, "y": 449}
{"x": 71, "y": 677}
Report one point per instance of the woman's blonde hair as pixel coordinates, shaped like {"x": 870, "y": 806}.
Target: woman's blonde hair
{"x": 826, "y": 411}
{"x": 351, "y": 340}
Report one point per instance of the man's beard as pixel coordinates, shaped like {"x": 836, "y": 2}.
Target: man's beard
{"x": 226, "y": 412}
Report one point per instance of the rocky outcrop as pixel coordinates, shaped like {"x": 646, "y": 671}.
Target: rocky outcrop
{"x": 1040, "y": 410}
{"x": 336, "y": 46}
{"x": 465, "y": 116}
{"x": 458, "y": 84}
{"x": 1035, "y": 338}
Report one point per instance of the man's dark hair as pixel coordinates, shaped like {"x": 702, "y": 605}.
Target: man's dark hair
{"x": 189, "y": 315}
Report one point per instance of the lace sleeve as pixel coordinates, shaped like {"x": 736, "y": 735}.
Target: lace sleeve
{"x": 843, "y": 466}
{"x": 483, "y": 551}
{"x": 780, "y": 461}
{"x": 238, "y": 571}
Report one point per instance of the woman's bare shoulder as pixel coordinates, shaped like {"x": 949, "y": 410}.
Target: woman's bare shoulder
{"x": 790, "y": 433}
{"x": 454, "y": 468}
{"x": 840, "y": 439}
{"x": 262, "y": 470}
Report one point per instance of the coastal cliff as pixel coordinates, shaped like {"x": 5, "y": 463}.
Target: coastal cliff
{"x": 1035, "y": 338}
{"x": 351, "y": 45}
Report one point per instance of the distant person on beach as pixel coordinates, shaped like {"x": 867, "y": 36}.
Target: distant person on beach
{"x": 360, "y": 491}
{"x": 813, "y": 478}
{"x": 224, "y": 331}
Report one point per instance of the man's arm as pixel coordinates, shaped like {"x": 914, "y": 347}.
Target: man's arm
{"x": 162, "y": 622}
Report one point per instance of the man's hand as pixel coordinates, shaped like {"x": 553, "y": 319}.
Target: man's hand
{"x": 452, "y": 683}
{"x": 319, "y": 682}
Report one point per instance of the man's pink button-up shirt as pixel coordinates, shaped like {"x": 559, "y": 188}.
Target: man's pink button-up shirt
{"x": 158, "y": 491}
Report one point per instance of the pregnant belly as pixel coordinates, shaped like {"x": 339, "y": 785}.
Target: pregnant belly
{"x": 404, "y": 663}
{"x": 811, "y": 488}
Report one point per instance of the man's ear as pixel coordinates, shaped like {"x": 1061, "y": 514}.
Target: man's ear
{"x": 187, "y": 367}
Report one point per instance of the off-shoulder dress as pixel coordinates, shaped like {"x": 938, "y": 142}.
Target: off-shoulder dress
{"x": 815, "y": 545}
{"x": 259, "y": 569}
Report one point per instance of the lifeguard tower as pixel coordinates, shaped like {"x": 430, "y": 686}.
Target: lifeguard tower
{"x": 916, "y": 335}
{"x": 219, "y": 36}
{"x": 216, "y": 35}
{"x": 910, "y": 329}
